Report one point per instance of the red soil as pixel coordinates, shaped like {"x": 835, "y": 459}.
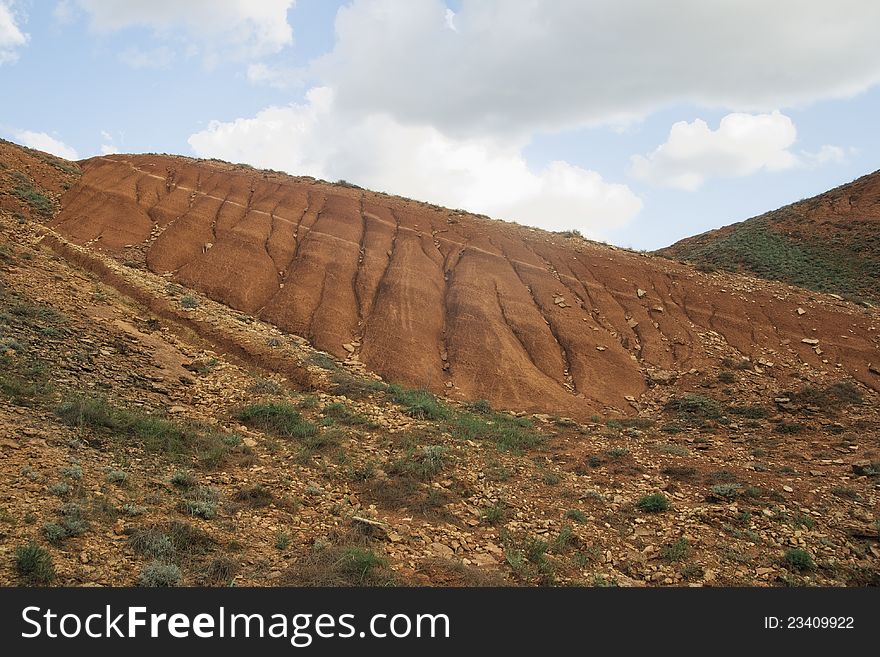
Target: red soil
{"x": 432, "y": 297}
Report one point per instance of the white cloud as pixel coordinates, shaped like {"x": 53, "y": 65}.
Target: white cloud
{"x": 44, "y": 142}
{"x": 826, "y": 154}
{"x": 480, "y": 174}
{"x": 108, "y": 149}
{"x": 514, "y": 66}
{"x": 280, "y": 78}
{"x": 742, "y": 145}
{"x": 11, "y": 36}
{"x": 157, "y": 58}
{"x": 219, "y": 29}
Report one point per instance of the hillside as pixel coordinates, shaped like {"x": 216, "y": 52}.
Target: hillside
{"x": 829, "y": 243}
{"x": 437, "y": 298}
{"x": 157, "y": 427}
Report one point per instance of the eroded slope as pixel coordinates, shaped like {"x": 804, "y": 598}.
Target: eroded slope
{"x": 432, "y": 297}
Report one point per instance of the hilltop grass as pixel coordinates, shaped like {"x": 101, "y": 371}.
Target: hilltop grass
{"x": 840, "y": 265}
{"x": 153, "y": 432}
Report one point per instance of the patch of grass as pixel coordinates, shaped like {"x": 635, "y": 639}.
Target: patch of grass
{"x": 60, "y": 488}
{"x": 346, "y": 559}
{"x": 339, "y": 412}
{"x": 117, "y": 477}
{"x": 725, "y": 492}
{"x": 155, "y": 433}
{"x": 221, "y": 570}
{"x": 802, "y": 520}
{"x": 694, "y": 406}
{"x": 418, "y": 404}
{"x": 494, "y": 514}
{"x": 265, "y": 387}
{"x": 256, "y": 496}
{"x": 726, "y": 376}
{"x": 576, "y": 515}
{"x": 653, "y": 503}
{"x": 845, "y": 493}
{"x": 159, "y": 574}
{"x": 752, "y": 412}
{"x": 422, "y": 463}
{"x": 183, "y": 479}
{"x": 679, "y": 472}
{"x": 171, "y": 541}
{"x": 36, "y": 198}
{"x": 282, "y": 540}
{"x": 189, "y": 302}
{"x": 322, "y": 360}
{"x": 799, "y": 559}
{"x": 201, "y": 502}
{"x": 676, "y": 551}
{"x": 34, "y": 564}
{"x": 677, "y": 450}
{"x": 551, "y": 479}
{"x": 508, "y": 432}
{"x": 844, "y": 265}
{"x": 72, "y": 472}
{"x": 564, "y": 540}
{"x": 355, "y": 387}
{"x": 481, "y": 407}
{"x": 617, "y": 452}
{"x": 279, "y": 418}
{"x": 788, "y": 427}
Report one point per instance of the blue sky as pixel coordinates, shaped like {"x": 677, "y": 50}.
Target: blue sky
{"x": 633, "y": 122}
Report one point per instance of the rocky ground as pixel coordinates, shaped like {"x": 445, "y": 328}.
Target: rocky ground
{"x": 152, "y": 436}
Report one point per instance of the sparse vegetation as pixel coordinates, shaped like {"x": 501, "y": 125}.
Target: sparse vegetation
{"x": 419, "y": 404}
{"x": 653, "y": 503}
{"x": 34, "y": 564}
{"x": 279, "y": 418}
{"x": 158, "y": 573}
{"x": 799, "y": 559}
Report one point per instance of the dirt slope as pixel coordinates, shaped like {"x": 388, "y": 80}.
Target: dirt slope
{"x": 830, "y": 242}
{"x": 426, "y": 296}
{"x": 152, "y": 436}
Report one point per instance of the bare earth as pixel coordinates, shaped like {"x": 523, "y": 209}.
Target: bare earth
{"x": 188, "y": 291}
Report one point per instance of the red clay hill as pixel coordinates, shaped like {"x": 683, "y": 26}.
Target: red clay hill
{"x": 460, "y": 304}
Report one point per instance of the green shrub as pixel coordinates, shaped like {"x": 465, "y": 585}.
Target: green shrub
{"x": 202, "y": 502}
{"x": 34, "y": 564}
{"x": 694, "y": 406}
{"x": 676, "y": 551}
{"x": 360, "y": 562}
{"x": 799, "y": 559}
{"x": 653, "y": 503}
{"x": 117, "y": 477}
{"x": 257, "y": 495}
{"x": 72, "y": 472}
{"x": 576, "y": 515}
{"x": 725, "y": 492}
{"x": 159, "y": 574}
{"x": 279, "y": 418}
{"x": 494, "y": 514}
{"x": 752, "y": 412}
{"x": 183, "y": 479}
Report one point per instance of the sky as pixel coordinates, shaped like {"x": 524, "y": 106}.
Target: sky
{"x": 635, "y": 122}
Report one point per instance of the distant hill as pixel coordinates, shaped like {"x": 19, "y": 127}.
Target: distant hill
{"x": 828, "y": 243}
